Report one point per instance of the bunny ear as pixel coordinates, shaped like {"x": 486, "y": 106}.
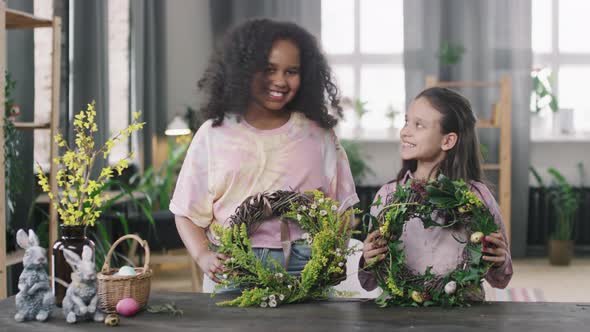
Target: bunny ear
{"x": 87, "y": 254}
{"x": 22, "y": 239}
{"x": 33, "y": 239}
{"x": 72, "y": 258}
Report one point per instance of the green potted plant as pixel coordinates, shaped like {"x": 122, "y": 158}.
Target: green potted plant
{"x": 564, "y": 200}
{"x": 12, "y": 170}
{"x": 449, "y": 54}
{"x": 543, "y": 98}
{"x": 391, "y": 114}
{"x": 358, "y": 166}
{"x": 359, "y": 109}
{"x": 79, "y": 198}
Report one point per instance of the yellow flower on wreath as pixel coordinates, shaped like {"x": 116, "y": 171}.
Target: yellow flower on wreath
{"x": 79, "y": 198}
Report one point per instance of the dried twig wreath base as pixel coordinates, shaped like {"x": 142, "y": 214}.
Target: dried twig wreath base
{"x": 327, "y": 230}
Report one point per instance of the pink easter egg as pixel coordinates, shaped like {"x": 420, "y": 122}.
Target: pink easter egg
{"x": 127, "y": 307}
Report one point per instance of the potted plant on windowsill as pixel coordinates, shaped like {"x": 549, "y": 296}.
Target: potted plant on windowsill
{"x": 543, "y": 98}
{"x": 565, "y": 204}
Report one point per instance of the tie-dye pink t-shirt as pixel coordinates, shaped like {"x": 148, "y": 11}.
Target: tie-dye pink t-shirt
{"x": 228, "y": 163}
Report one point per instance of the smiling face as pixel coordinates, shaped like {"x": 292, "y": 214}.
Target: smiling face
{"x": 421, "y": 137}
{"x": 277, "y": 85}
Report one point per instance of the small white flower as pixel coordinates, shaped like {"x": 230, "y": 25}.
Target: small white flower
{"x": 264, "y": 298}
{"x": 341, "y": 264}
{"x": 321, "y": 200}
{"x": 217, "y": 237}
{"x": 305, "y": 236}
{"x": 309, "y": 241}
{"x": 263, "y": 304}
{"x": 338, "y": 250}
{"x": 323, "y": 212}
{"x": 304, "y": 208}
{"x": 311, "y": 214}
{"x": 299, "y": 217}
{"x": 278, "y": 275}
{"x": 338, "y": 254}
{"x": 272, "y": 303}
{"x": 233, "y": 259}
{"x": 289, "y": 286}
{"x": 281, "y": 297}
{"x": 225, "y": 276}
{"x": 313, "y": 206}
{"x": 334, "y": 208}
{"x": 272, "y": 298}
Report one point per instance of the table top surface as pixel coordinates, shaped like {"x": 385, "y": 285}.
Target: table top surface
{"x": 202, "y": 314}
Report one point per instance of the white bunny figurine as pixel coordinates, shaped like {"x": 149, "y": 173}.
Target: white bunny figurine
{"x": 81, "y": 298}
{"x": 35, "y": 299}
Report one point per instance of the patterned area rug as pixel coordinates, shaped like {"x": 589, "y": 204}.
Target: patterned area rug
{"x": 515, "y": 295}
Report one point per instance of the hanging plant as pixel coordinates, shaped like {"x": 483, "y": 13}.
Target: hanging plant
{"x": 12, "y": 166}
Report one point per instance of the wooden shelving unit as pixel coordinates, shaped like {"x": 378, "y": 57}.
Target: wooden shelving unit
{"x": 501, "y": 119}
{"x": 13, "y": 19}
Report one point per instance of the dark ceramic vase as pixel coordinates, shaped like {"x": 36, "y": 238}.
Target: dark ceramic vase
{"x": 72, "y": 238}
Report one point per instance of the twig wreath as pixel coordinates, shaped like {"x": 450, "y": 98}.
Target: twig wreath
{"x": 438, "y": 203}
{"x": 269, "y": 285}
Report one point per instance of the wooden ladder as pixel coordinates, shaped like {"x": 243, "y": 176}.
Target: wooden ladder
{"x": 13, "y": 19}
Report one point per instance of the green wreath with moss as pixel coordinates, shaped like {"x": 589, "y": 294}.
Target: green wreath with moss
{"x": 269, "y": 285}
{"x": 455, "y": 207}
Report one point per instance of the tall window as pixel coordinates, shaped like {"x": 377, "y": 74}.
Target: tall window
{"x": 43, "y": 40}
{"x": 558, "y": 43}
{"x": 118, "y": 44}
{"x": 118, "y": 41}
{"x": 364, "y": 43}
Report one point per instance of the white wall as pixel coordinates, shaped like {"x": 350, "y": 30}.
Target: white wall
{"x": 564, "y": 156}
{"x": 189, "y": 45}
{"x": 383, "y": 158}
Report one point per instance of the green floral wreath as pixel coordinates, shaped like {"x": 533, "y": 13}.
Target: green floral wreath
{"x": 459, "y": 208}
{"x": 327, "y": 231}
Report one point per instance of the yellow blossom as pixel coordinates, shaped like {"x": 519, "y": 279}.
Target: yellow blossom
{"x": 78, "y": 201}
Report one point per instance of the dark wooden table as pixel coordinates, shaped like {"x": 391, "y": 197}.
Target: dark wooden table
{"x": 201, "y": 314}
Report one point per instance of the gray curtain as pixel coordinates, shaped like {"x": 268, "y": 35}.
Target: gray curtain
{"x": 497, "y": 37}
{"x": 89, "y": 70}
{"x": 226, "y": 13}
{"x": 422, "y": 35}
{"x": 148, "y": 71}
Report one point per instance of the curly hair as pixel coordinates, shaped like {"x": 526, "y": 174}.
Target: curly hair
{"x": 227, "y": 80}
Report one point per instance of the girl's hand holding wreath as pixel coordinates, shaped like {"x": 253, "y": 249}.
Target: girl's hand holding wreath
{"x": 495, "y": 249}
{"x": 211, "y": 263}
{"x": 374, "y": 248}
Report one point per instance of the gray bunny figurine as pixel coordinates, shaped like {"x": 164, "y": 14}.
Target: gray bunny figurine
{"x": 80, "y": 302}
{"x": 35, "y": 299}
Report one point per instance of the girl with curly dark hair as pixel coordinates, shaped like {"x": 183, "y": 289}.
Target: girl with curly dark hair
{"x": 269, "y": 88}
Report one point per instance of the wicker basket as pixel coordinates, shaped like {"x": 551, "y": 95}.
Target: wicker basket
{"x": 111, "y": 288}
